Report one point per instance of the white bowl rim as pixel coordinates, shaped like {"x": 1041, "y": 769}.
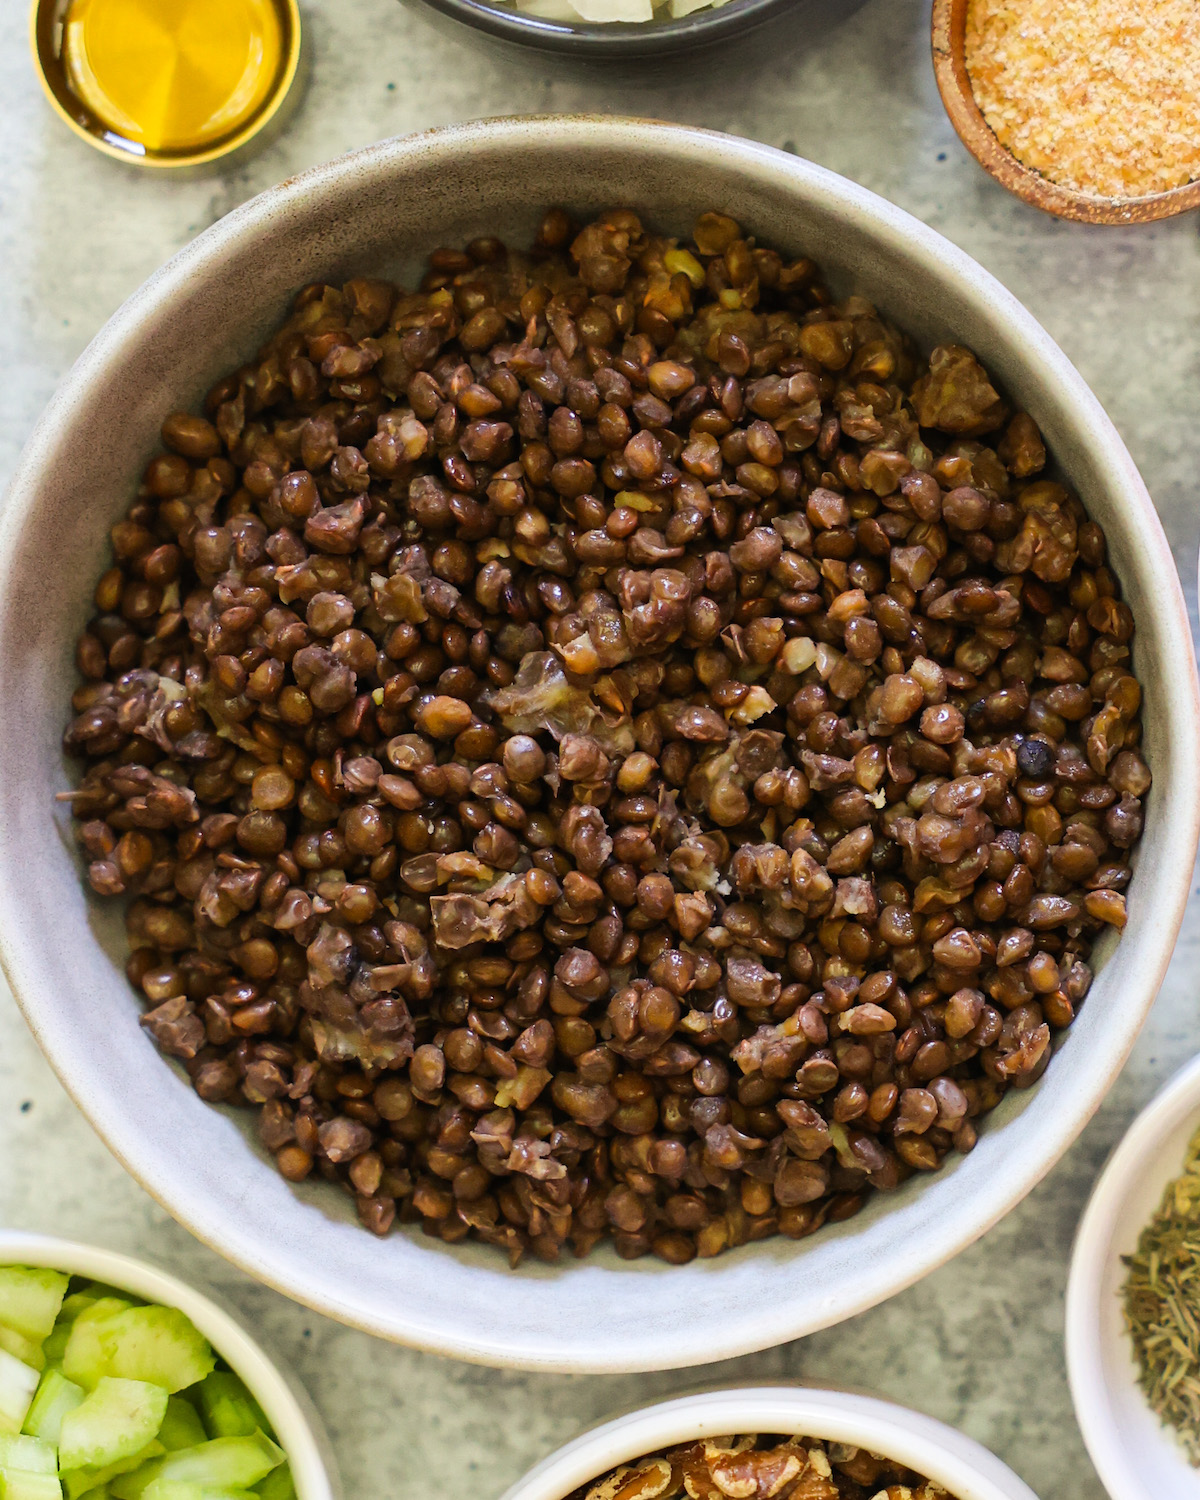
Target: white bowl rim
{"x": 964, "y": 1467}
{"x": 1175, "y": 1102}
{"x": 690, "y": 1341}
{"x": 287, "y": 1405}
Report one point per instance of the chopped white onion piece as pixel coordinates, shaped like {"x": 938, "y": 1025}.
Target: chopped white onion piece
{"x": 549, "y": 10}
{"x": 636, "y": 11}
{"x": 614, "y": 10}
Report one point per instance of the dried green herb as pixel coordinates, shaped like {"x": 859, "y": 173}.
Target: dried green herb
{"x": 1162, "y": 1305}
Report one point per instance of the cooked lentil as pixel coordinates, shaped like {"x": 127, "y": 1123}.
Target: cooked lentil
{"x": 766, "y": 1468}
{"x": 602, "y": 745}
{"x": 1101, "y": 96}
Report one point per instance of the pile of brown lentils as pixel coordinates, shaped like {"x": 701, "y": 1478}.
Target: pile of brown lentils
{"x": 611, "y": 743}
{"x": 767, "y": 1468}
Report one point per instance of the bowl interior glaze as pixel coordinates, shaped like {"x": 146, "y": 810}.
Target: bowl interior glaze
{"x": 202, "y": 314}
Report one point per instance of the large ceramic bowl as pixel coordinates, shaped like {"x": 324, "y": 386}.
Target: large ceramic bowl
{"x": 285, "y": 1402}
{"x": 960, "y": 1465}
{"x": 202, "y": 314}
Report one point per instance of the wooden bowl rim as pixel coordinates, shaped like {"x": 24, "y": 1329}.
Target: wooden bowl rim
{"x": 954, "y": 85}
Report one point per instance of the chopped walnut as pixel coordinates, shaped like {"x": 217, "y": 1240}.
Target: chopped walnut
{"x": 762, "y": 1468}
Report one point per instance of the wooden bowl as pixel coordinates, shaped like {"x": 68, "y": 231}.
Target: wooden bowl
{"x": 950, "y": 68}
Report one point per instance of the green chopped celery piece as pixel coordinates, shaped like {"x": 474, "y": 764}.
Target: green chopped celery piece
{"x": 98, "y": 1289}
{"x": 78, "y": 1483}
{"x": 80, "y": 1305}
{"x": 155, "y": 1344}
{"x": 56, "y": 1396}
{"x": 30, "y": 1297}
{"x": 181, "y": 1427}
{"x": 116, "y": 1421}
{"x": 83, "y": 1357}
{"x": 278, "y": 1485}
{"x": 18, "y": 1382}
{"x": 18, "y": 1484}
{"x": 229, "y": 1463}
{"x": 28, "y": 1351}
{"x": 228, "y": 1408}
{"x": 27, "y": 1454}
{"x": 133, "y": 1486}
{"x": 166, "y": 1489}
{"x": 55, "y": 1346}
{"x": 88, "y": 1482}
{"x": 79, "y": 1302}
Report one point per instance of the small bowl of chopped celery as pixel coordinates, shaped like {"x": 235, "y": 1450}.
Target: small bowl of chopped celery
{"x": 640, "y": 30}
{"x": 120, "y": 1382}
{"x": 1133, "y": 1304}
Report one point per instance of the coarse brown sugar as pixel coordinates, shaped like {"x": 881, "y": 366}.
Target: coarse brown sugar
{"x": 1102, "y": 96}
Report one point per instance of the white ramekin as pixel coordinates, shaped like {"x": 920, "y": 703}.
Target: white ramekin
{"x": 381, "y": 210}
{"x": 956, "y": 1462}
{"x": 1135, "y": 1455}
{"x": 285, "y": 1402}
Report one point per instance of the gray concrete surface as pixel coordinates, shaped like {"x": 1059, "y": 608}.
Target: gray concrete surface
{"x": 979, "y": 1342}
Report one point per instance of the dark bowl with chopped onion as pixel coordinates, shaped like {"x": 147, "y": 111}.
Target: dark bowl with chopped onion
{"x": 649, "y": 34}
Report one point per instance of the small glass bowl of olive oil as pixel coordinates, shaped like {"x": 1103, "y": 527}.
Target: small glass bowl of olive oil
{"x": 166, "y": 83}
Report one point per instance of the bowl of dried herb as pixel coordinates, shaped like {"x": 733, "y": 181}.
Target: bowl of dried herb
{"x": 1133, "y": 1304}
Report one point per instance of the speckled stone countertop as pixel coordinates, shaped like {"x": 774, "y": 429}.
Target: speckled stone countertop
{"x": 979, "y": 1343}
